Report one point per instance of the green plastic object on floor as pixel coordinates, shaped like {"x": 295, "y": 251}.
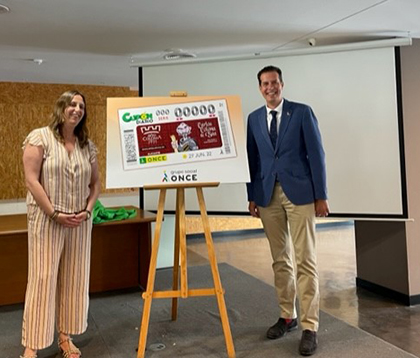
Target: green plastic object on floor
{"x": 102, "y": 214}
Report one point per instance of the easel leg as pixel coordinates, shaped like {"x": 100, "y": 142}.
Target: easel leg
{"x": 216, "y": 277}
{"x": 176, "y": 262}
{"x": 148, "y": 295}
{"x": 182, "y": 242}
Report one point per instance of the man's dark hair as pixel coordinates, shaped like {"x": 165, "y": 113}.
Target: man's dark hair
{"x": 269, "y": 69}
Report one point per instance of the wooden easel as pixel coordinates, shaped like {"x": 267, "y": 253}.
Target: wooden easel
{"x": 180, "y": 259}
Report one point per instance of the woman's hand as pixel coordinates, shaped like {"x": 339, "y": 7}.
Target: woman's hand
{"x": 71, "y": 220}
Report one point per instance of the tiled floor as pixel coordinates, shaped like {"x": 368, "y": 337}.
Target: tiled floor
{"x": 388, "y": 320}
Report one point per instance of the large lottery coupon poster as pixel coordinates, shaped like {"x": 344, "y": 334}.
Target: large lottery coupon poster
{"x": 175, "y": 133}
{"x": 160, "y": 140}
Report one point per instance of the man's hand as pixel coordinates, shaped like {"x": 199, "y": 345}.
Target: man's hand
{"x": 253, "y": 209}
{"x": 321, "y": 208}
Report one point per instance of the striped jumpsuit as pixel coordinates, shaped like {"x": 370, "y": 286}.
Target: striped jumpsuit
{"x": 59, "y": 257}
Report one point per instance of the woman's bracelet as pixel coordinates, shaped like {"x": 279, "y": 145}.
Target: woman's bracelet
{"x": 89, "y": 214}
{"x": 53, "y": 216}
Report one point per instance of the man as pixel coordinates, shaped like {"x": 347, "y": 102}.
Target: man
{"x": 287, "y": 190}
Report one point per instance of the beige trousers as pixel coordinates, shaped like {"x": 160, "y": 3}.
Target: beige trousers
{"x": 58, "y": 279}
{"x": 290, "y": 230}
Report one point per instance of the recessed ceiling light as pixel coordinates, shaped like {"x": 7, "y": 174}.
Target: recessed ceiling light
{"x": 4, "y": 9}
{"x": 38, "y": 61}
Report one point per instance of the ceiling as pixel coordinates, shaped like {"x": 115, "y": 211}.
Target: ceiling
{"x": 98, "y": 41}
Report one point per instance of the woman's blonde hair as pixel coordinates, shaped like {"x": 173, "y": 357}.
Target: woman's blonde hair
{"x": 57, "y": 118}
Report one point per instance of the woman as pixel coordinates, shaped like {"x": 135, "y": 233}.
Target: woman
{"x": 61, "y": 174}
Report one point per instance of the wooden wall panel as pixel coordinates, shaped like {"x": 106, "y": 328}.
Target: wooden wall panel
{"x": 26, "y": 106}
{"x": 9, "y": 172}
{"x": 29, "y": 117}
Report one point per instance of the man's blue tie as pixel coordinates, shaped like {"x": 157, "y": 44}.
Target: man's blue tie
{"x": 273, "y": 128}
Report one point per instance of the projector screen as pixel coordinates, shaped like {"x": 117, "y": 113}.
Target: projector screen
{"x": 354, "y": 96}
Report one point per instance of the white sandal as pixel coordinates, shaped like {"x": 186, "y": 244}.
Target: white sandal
{"x": 72, "y": 348}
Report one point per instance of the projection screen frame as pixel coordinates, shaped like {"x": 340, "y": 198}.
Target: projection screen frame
{"x": 403, "y": 189}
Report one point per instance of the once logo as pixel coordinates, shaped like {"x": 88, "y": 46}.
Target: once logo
{"x": 153, "y": 159}
{"x": 183, "y": 177}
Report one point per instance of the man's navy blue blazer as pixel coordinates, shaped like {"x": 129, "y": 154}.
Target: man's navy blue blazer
{"x": 297, "y": 161}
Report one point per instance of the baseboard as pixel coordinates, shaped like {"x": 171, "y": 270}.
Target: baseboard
{"x": 407, "y": 300}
